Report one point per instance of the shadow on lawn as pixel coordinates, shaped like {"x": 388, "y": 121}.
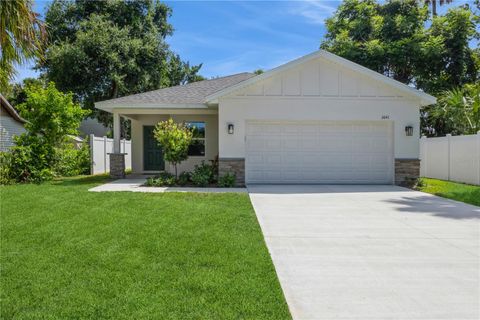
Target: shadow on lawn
{"x": 82, "y": 180}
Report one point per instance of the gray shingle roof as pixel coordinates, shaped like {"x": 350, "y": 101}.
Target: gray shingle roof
{"x": 11, "y": 110}
{"x": 192, "y": 93}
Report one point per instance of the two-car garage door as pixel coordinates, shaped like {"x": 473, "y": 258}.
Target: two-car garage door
{"x": 358, "y": 152}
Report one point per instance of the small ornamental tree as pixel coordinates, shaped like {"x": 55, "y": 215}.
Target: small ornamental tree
{"x": 175, "y": 138}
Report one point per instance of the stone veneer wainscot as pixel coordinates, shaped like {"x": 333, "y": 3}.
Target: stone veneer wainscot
{"x": 233, "y": 165}
{"x": 406, "y": 171}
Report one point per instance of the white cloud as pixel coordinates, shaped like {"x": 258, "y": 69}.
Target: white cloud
{"x": 315, "y": 11}
{"x": 251, "y": 60}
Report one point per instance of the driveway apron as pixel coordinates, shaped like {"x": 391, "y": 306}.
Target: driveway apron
{"x": 371, "y": 252}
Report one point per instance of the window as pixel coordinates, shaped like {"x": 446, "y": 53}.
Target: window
{"x": 197, "y": 147}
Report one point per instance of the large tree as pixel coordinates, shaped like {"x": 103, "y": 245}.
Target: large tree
{"x": 106, "y": 49}
{"x": 398, "y": 39}
{"x": 22, "y": 36}
{"x": 384, "y": 37}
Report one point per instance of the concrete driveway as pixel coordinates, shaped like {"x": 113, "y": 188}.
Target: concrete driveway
{"x": 371, "y": 252}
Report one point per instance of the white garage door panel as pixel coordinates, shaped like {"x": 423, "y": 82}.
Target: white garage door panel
{"x": 319, "y": 152}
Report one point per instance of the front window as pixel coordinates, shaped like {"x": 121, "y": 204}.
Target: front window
{"x": 197, "y": 147}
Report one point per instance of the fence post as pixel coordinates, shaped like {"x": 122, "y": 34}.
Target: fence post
{"x": 449, "y": 136}
{"x": 105, "y": 154}
{"x": 91, "y": 143}
{"x": 478, "y": 157}
{"x": 423, "y": 156}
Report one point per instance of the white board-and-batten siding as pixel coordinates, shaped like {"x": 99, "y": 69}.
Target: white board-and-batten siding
{"x": 9, "y": 128}
{"x": 320, "y": 78}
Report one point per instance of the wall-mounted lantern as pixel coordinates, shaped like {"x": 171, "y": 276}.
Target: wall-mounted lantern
{"x": 409, "y": 131}
{"x": 230, "y": 128}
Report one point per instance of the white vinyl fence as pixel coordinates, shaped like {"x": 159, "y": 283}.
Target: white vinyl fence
{"x": 455, "y": 158}
{"x": 100, "y": 147}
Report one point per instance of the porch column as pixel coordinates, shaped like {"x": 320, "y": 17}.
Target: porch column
{"x": 116, "y": 132}
{"x": 117, "y": 159}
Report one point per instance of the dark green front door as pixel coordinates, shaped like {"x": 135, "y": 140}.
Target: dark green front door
{"x": 152, "y": 152}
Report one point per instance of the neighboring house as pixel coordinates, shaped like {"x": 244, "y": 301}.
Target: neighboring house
{"x": 11, "y": 124}
{"x": 76, "y": 141}
{"x": 317, "y": 119}
{"x": 92, "y": 126}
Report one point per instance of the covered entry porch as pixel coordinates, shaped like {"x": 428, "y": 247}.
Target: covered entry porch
{"x": 147, "y": 155}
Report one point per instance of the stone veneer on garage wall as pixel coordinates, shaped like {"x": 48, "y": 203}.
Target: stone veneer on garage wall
{"x": 406, "y": 171}
{"x": 233, "y": 165}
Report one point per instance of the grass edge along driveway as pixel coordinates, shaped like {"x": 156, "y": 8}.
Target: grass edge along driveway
{"x": 452, "y": 190}
{"x": 69, "y": 253}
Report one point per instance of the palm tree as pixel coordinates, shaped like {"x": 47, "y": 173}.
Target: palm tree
{"x": 433, "y": 3}
{"x": 22, "y": 37}
{"x": 459, "y": 109}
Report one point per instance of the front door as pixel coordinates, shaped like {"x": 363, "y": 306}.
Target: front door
{"x": 152, "y": 152}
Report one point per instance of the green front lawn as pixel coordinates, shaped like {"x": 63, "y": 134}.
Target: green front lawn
{"x": 71, "y": 254}
{"x": 452, "y": 190}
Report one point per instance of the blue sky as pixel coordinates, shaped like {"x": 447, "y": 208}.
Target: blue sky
{"x": 235, "y": 36}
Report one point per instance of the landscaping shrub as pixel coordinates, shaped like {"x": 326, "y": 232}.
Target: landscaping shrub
{"x": 162, "y": 180}
{"x": 184, "y": 178}
{"x": 5, "y": 172}
{"x": 203, "y": 175}
{"x": 31, "y": 159}
{"x": 227, "y": 180}
{"x": 71, "y": 161}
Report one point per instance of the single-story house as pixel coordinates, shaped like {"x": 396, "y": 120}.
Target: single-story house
{"x": 317, "y": 119}
{"x": 11, "y": 124}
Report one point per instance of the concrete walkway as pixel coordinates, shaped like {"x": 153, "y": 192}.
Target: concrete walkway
{"x": 371, "y": 252}
{"x": 135, "y": 184}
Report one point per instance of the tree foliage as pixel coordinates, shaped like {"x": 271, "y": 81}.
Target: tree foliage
{"x": 16, "y": 92}
{"x": 175, "y": 138}
{"x": 458, "y": 110}
{"x": 383, "y": 37}
{"x": 51, "y": 116}
{"x": 107, "y": 49}
{"x": 50, "y": 113}
{"x": 22, "y": 36}
{"x": 398, "y": 39}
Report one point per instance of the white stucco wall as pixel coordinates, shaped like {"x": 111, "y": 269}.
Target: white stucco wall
{"x": 9, "y": 128}
{"x": 211, "y": 141}
{"x": 318, "y": 90}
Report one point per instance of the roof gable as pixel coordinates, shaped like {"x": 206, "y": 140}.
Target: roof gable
{"x": 322, "y": 74}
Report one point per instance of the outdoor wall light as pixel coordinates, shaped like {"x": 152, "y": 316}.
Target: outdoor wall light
{"x": 409, "y": 131}
{"x": 230, "y": 128}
